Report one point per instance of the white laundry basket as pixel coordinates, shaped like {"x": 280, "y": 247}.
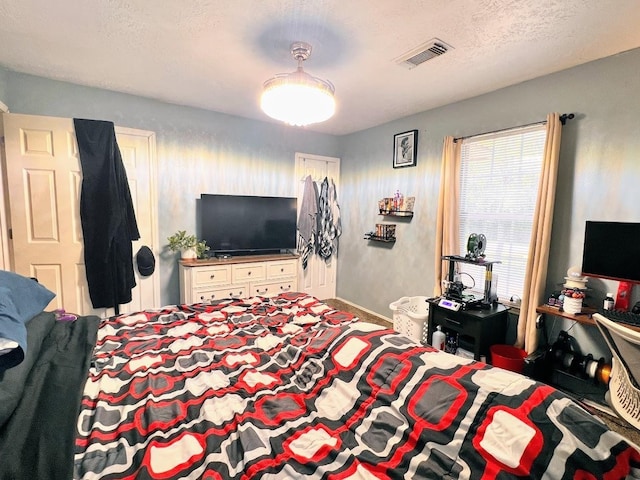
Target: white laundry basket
{"x": 410, "y": 316}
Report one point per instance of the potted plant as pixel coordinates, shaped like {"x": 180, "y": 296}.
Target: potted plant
{"x": 201, "y": 249}
{"x": 188, "y": 245}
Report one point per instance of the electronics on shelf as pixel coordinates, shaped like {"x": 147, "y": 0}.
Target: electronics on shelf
{"x": 449, "y": 304}
{"x": 454, "y": 288}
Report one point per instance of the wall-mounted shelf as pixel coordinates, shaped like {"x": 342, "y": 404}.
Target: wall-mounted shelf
{"x": 583, "y": 317}
{"x": 396, "y": 213}
{"x": 376, "y": 238}
{"x": 391, "y": 207}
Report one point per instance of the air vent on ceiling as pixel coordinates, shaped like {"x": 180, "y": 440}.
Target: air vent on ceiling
{"x": 432, "y": 49}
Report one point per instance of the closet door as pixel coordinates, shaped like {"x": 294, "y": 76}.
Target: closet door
{"x": 320, "y": 277}
{"x": 43, "y": 179}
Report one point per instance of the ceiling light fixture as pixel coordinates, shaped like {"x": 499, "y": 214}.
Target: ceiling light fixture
{"x": 297, "y": 98}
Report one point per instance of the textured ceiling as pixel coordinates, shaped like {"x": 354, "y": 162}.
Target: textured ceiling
{"x": 215, "y": 54}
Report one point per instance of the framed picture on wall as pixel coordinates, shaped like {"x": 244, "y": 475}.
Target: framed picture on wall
{"x": 405, "y": 149}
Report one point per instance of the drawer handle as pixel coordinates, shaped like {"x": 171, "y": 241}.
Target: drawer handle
{"x": 261, "y": 292}
{"x": 282, "y": 269}
{"x": 288, "y": 287}
{"x": 455, "y": 322}
{"x": 249, "y": 272}
{"x": 212, "y": 276}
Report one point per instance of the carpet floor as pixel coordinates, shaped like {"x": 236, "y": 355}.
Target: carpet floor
{"x": 361, "y": 314}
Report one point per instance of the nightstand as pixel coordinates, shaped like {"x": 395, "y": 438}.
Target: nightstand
{"x": 477, "y": 329}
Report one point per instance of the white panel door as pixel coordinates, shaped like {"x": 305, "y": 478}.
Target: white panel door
{"x": 320, "y": 277}
{"x": 44, "y": 178}
{"x": 138, "y": 155}
{"x": 5, "y": 263}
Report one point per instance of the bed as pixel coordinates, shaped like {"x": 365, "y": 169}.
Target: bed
{"x": 284, "y": 387}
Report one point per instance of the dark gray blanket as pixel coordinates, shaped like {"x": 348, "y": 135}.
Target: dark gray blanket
{"x": 40, "y": 399}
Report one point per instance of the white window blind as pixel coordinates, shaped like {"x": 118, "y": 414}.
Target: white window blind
{"x": 499, "y": 180}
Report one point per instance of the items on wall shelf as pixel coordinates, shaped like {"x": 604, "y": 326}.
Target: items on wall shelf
{"x": 384, "y": 232}
{"x": 397, "y": 206}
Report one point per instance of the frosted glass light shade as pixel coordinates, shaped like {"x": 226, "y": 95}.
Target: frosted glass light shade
{"x": 298, "y": 98}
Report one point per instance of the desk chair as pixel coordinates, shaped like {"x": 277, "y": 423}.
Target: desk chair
{"x": 624, "y": 383}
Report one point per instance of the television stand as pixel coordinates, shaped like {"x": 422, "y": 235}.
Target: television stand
{"x": 243, "y": 276}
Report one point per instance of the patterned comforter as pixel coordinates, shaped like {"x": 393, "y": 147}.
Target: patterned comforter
{"x": 288, "y": 388}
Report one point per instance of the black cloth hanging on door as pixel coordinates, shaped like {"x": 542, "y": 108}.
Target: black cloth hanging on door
{"x": 106, "y": 212}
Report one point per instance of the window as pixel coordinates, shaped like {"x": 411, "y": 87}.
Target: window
{"x": 499, "y": 177}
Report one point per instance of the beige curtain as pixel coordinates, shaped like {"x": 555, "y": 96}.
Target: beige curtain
{"x": 536, "y": 274}
{"x": 447, "y": 239}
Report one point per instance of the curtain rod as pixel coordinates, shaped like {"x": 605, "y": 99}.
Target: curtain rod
{"x": 563, "y": 119}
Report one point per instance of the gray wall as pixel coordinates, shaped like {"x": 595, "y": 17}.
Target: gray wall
{"x": 3, "y": 84}
{"x": 197, "y": 151}
{"x": 201, "y": 151}
{"x": 597, "y": 180}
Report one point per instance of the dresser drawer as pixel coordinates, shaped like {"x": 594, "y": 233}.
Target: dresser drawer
{"x": 205, "y": 276}
{"x": 268, "y": 289}
{"x": 285, "y": 268}
{"x": 457, "y": 321}
{"x": 245, "y": 272}
{"x": 231, "y": 291}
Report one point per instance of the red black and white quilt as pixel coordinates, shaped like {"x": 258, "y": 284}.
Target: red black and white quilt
{"x": 289, "y": 388}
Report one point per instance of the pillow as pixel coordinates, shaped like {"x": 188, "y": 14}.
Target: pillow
{"x": 21, "y": 299}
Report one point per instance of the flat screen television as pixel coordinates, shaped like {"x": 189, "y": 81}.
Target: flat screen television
{"x": 248, "y": 225}
{"x": 612, "y": 251}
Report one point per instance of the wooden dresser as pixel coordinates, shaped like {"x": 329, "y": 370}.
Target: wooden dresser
{"x": 237, "y": 277}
